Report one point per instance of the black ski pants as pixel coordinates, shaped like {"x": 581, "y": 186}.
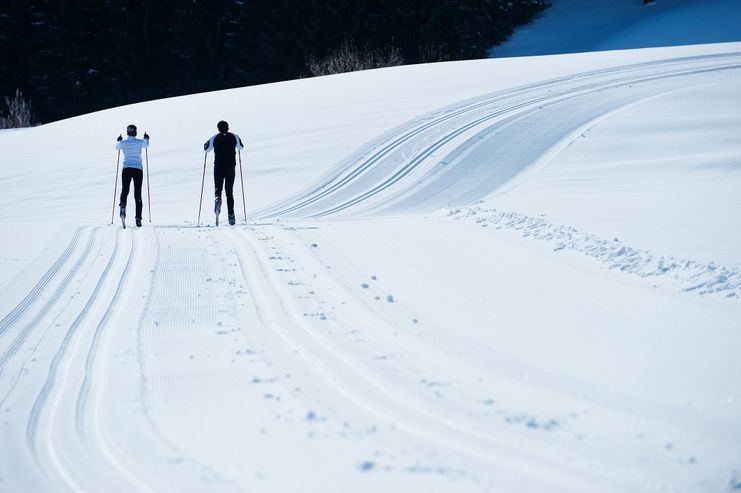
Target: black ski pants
{"x": 127, "y": 175}
{"x": 225, "y": 176}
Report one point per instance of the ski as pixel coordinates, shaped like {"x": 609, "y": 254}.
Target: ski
{"x": 217, "y": 209}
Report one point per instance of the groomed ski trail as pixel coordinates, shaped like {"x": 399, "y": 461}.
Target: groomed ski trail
{"x": 112, "y": 358}
{"x": 483, "y": 144}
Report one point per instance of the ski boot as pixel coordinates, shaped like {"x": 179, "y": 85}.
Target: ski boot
{"x": 217, "y": 208}
{"x": 138, "y": 222}
{"x": 123, "y": 216}
{"x": 232, "y": 219}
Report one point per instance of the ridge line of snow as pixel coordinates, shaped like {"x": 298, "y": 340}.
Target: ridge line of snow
{"x": 691, "y": 276}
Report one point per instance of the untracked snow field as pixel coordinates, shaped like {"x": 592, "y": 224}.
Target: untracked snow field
{"x": 512, "y": 275}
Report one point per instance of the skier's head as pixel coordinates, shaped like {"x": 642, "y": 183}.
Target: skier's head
{"x": 223, "y": 126}
{"x": 131, "y": 130}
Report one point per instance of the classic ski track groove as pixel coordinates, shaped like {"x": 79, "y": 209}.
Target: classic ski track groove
{"x": 458, "y": 398}
{"x": 17, "y": 312}
{"x": 419, "y": 159}
{"x": 59, "y": 382}
{"x": 83, "y": 395}
{"x": 414, "y": 163}
{"x": 380, "y": 148}
{"x": 36, "y": 294}
{"x": 23, "y": 334}
{"x": 380, "y": 398}
{"x": 425, "y": 356}
{"x": 50, "y": 385}
{"x": 98, "y": 439}
{"x": 503, "y": 366}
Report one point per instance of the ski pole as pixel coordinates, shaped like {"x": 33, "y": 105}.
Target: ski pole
{"x": 149, "y": 198}
{"x": 203, "y": 180}
{"x": 115, "y": 186}
{"x": 244, "y": 207}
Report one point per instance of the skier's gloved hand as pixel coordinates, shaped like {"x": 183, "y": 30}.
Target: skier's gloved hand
{"x": 119, "y": 139}
{"x": 205, "y": 146}
{"x": 146, "y": 136}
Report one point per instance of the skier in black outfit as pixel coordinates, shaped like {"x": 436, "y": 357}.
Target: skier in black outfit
{"x": 224, "y": 145}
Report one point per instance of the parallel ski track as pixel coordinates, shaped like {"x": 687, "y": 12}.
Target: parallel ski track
{"x": 542, "y": 102}
{"x": 551, "y": 98}
{"x": 382, "y": 147}
{"x": 17, "y": 343}
{"x": 451, "y": 428}
{"x": 46, "y": 404}
{"x": 133, "y": 480}
{"x": 41, "y": 399}
{"x": 84, "y": 392}
{"x": 382, "y": 399}
{"x": 17, "y": 312}
{"x": 504, "y": 365}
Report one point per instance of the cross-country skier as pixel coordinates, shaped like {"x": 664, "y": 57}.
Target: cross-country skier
{"x": 132, "y": 170}
{"x": 224, "y": 144}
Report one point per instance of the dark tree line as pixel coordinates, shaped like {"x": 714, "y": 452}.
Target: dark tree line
{"x": 72, "y": 57}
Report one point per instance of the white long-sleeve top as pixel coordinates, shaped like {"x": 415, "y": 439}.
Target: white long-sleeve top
{"x": 132, "y": 150}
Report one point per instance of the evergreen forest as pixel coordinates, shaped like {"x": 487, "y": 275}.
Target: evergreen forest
{"x": 76, "y": 56}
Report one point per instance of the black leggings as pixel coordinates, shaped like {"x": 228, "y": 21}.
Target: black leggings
{"x": 126, "y": 177}
{"x": 222, "y": 175}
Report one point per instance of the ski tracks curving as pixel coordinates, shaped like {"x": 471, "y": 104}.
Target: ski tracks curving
{"x": 411, "y": 167}
{"x": 397, "y": 380}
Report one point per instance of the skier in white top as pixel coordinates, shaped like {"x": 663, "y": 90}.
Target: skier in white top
{"x": 132, "y": 170}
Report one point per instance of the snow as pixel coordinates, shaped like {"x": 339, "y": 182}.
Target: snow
{"x": 573, "y": 26}
{"x": 516, "y": 274}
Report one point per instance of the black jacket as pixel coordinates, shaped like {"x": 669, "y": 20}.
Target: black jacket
{"x": 224, "y": 146}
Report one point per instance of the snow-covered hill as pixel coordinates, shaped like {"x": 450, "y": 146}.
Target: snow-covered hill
{"x": 573, "y": 26}
{"x": 501, "y": 275}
